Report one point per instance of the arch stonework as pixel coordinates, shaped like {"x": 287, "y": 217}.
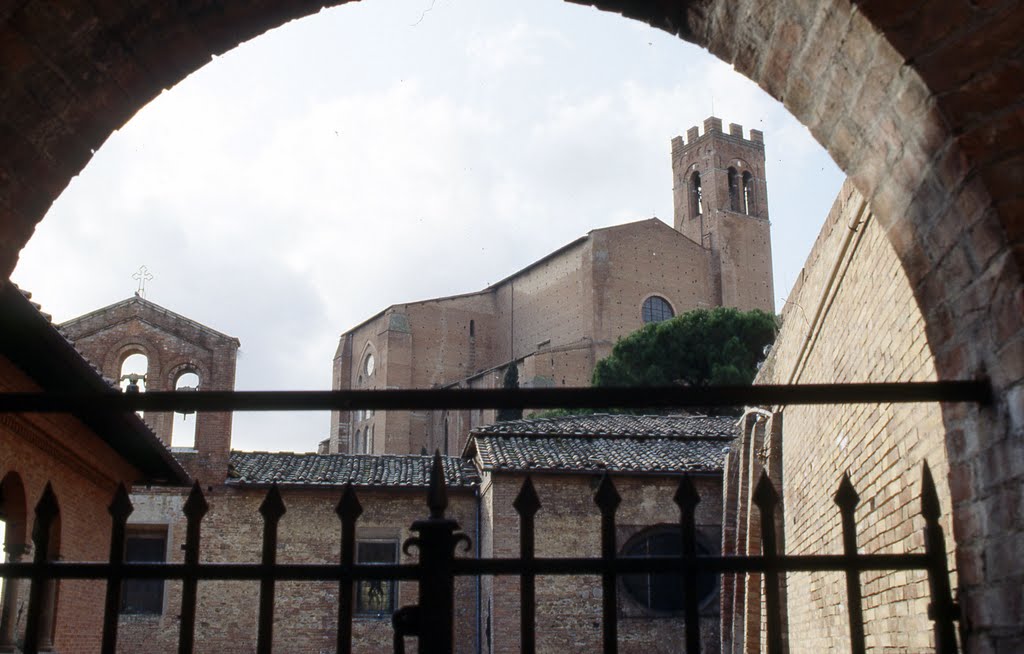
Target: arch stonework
{"x": 919, "y": 102}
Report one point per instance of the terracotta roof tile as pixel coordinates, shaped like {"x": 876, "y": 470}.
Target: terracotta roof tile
{"x": 625, "y": 443}
{"x": 388, "y": 470}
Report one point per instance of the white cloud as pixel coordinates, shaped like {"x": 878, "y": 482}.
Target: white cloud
{"x": 518, "y": 45}
{"x": 348, "y": 161}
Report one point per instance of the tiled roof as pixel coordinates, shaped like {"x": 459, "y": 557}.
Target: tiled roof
{"x": 603, "y": 424}
{"x": 388, "y": 470}
{"x": 29, "y": 339}
{"x": 624, "y": 443}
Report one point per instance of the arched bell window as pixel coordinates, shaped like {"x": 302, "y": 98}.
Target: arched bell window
{"x": 183, "y": 429}
{"x": 133, "y": 372}
{"x": 696, "y": 196}
{"x": 748, "y": 193}
{"x": 734, "y": 189}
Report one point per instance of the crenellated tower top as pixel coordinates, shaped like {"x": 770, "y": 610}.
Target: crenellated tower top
{"x": 721, "y": 202}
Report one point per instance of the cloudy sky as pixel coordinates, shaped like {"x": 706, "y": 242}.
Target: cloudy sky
{"x": 384, "y": 152}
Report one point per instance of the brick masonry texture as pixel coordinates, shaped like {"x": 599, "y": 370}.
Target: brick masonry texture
{"x": 309, "y": 532}
{"x": 173, "y": 345}
{"x": 851, "y": 317}
{"x": 569, "y": 608}
{"x": 84, "y": 473}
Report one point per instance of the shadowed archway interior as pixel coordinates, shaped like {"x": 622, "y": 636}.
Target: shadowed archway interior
{"x": 918, "y": 102}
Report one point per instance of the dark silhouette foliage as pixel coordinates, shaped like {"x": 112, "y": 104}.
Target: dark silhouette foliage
{"x": 704, "y": 347}
{"x": 511, "y": 380}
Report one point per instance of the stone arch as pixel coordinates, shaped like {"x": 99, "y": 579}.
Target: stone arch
{"x": 14, "y": 509}
{"x": 183, "y": 427}
{"x": 15, "y": 547}
{"x": 183, "y": 368}
{"x": 123, "y": 349}
{"x": 369, "y": 350}
{"x": 917, "y": 102}
{"x": 656, "y": 297}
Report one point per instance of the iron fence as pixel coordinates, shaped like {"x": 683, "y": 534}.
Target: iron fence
{"x": 431, "y": 620}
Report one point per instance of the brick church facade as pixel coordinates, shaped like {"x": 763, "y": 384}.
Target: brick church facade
{"x": 554, "y": 320}
{"x": 558, "y": 316}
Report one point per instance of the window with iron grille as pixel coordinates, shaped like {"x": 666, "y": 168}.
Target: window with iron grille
{"x": 144, "y": 596}
{"x": 663, "y": 593}
{"x": 375, "y": 597}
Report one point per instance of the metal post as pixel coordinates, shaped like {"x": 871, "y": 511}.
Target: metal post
{"x": 526, "y": 505}
{"x": 608, "y": 500}
{"x": 847, "y": 499}
{"x": 39, "y": 624}
{"x": 766, "y": 500}
{"x": 942, "y": 609}
{"x": 271, "y": 509}
{"x": 349, "y": 509}
{"x": 195, "y": 508}
{"x": 686, "y": 498}
{"x": 120, "y": 508}
{"x": 436, "y": 540}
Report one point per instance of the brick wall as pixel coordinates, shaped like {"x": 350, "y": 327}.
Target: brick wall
{"x": 568, "y": 524}
{"x": 557, "y": 318}
{"x": 310, "y": 532}
{"x": 84, "y": 473}
{"x": 852, "y": 317}
{"x": 173, "y": 345}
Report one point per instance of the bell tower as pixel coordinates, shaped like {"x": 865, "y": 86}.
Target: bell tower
{"x": 173, "y": 349}
{"x": 721, "y": 202}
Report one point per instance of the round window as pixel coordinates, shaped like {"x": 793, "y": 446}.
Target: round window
{"x": 656, "y": 309}
{"x": 663, "y": 592}
{"x": 369, "y": 364}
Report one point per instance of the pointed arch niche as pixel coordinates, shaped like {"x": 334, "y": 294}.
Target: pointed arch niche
{"x": 183, "y": 425}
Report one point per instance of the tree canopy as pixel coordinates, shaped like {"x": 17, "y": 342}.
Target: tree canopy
{"x": 511, "y": 380}
{"x": 703, "y": 347}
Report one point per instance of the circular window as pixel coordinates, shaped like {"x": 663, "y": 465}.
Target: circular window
{"x": 663, "y": 592}
{"x": 656, "y": 309}
{"x": 369, "y": 364}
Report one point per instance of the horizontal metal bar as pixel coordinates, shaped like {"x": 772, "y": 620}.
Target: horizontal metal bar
{"x": 533, "y": 398}
{"x": 465, "y": 567}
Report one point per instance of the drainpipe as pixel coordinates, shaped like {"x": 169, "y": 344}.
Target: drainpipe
{"x": 479, "y": 578}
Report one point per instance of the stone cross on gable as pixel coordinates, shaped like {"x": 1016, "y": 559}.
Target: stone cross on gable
{"x": 143, "y": 275}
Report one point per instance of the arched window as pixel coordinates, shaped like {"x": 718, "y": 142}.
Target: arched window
{"x": 748, "y": 193}
{"x": 734, "y": 189}
{"x": 369, "y": 364}
{"x": 663, "y": 592}
{"x": 656, "y": 309}
{"x": 368, "y": 446}
{"x": 696, "y": 196}
{"x": 133, "y": 372}
{"x": 357, "y": 443}
{"x": 13, "y": 526}
{"x": 183, "y": 429}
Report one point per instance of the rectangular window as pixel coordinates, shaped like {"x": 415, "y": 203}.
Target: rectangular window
{"x": 376, "y": 597}
{"x": 144, "y": 596}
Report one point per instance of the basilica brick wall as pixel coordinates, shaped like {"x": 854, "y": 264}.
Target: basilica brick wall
{"x": 850, "y": 318}
{"x": 556, "y": 318}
